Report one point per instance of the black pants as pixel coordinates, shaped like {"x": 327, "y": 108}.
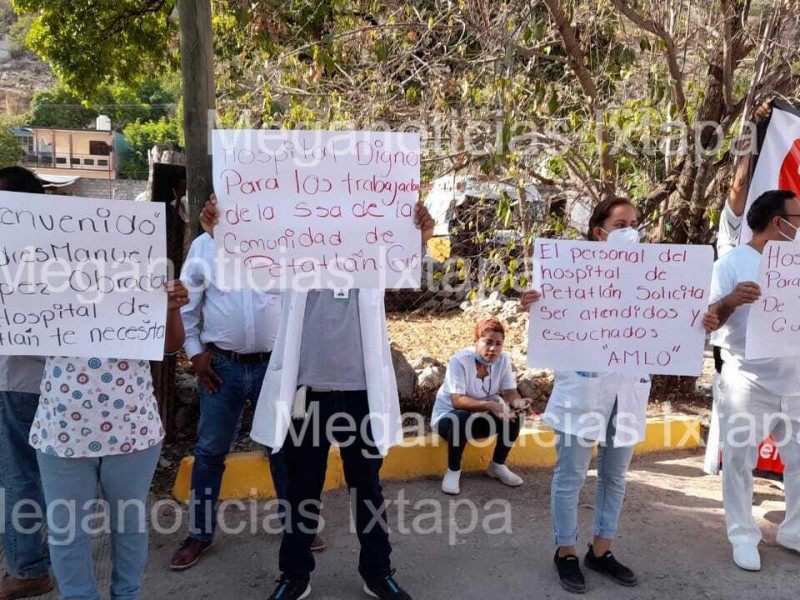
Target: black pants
{"x": 307, "y": 461}
{"x": 458, "y": 427}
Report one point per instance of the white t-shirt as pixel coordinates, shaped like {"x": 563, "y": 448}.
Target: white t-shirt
{"x": 730, "y": 226}
{"x": 462, "y": 378}
{"x": 779, "y": 376}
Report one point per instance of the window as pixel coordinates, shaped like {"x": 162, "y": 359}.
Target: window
{"x": 99, "y": 149}
{"x": 88, "y": 161}
{"x": 102, "y": 162}
{"x": 76, "y": 161}
{"x": 60, "y": 160}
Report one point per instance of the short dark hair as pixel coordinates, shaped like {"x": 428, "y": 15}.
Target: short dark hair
{"x": 766, "y": 207}
{"x": 20, "y": 179}
{"x": 602, "y": 211}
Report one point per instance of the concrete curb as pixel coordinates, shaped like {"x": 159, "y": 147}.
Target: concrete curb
{"x": 247, "y": 474}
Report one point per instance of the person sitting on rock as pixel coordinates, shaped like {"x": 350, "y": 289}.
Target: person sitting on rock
{"x": 479, "y": 399}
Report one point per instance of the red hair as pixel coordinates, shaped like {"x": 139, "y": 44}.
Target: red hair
{"x": 489, "y": 325}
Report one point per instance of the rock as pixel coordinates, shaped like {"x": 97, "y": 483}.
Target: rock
{"x": 535, "y": 383}
{"x": 186, "y": 388}
{"x": 431, "y": 378}
{"x": 424, "y": 362}
{"x": 406, "y": 376}
{"x": 164, "y": 463}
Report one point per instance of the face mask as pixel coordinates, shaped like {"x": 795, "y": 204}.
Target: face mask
{"x": 626, "y": 235}
{"x": 796, "y": 237}
{"x": 481, "y": 360}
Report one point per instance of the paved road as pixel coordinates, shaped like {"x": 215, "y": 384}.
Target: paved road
{"x": 672, "y": 535}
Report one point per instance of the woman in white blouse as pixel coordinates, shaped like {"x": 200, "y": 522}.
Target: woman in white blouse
{"x": 479, "y": 399}
{"x": 586, "y": 408}
{"x": 98, "y": 425}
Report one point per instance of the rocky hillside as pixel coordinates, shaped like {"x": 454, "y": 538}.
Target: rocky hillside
{"x": 22, "y": 75}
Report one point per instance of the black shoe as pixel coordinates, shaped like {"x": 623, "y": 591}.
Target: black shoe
{"x": 291, "y": 589}
{"x": 608, "y": 565}
{"x": 569, "y": 572}
{"x": 385, "y": 588}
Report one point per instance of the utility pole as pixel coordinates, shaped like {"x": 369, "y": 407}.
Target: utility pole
{"x": 197, "y": 70}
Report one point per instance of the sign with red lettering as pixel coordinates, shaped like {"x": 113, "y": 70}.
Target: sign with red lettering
{"x": 773, "y": 327}
{"x": 625, "y": 308}
{"x": 317, "y": 209}
{"x": 82, "y": 277}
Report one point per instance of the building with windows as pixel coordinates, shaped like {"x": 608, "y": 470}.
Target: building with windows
{"x": 90, "y": 153}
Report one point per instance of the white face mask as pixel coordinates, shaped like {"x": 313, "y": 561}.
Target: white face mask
{"x": 626, "y": 235}
{"x": 796, "y": 237}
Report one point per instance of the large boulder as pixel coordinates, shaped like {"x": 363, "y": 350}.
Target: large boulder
{"x": 406, "y": 377}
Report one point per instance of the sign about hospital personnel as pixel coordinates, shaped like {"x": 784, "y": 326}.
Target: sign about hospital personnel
{"x": 773, "y": 327}
{"x": 619, "y": 308}
{"x": 82, "y": 277}
{"x": 317, "y": 209}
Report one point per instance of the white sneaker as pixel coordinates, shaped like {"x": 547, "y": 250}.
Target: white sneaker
{"x": 746, "y": 557}
{"x": 787, "y": 543}
{"x": 450, "y": 483}
{"x": 504, "y": 474}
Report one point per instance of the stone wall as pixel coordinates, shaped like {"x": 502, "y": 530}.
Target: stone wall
{"x": 118, "y": 189}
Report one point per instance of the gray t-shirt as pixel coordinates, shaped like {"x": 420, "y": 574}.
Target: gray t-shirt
{"x": 331, "y": 354}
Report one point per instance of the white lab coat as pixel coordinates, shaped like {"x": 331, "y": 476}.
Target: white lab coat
{"x": 273, "y": 414}
{"x": 581, "y": 405}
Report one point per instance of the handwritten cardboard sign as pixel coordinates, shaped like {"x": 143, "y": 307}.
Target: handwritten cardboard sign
{"x": 317, "y": 209}
{"x": 632, "y": 308}
{"x": 82, "y": 277}
{"x": 773, "y": 327}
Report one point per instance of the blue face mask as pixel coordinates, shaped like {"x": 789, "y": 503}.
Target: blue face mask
{"x": 481, "y": 360}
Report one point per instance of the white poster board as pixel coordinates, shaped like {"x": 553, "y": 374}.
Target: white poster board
{"x": 633, "y": 308}
{"x": 317, "y": 209}
{"x": 773, "y": 327}
{"x": 82, "y": 277}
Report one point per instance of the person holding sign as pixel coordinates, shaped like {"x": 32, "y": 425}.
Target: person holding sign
{"x": 479, "y": 399}
{"x": 588, "y": 408}
{"x": 229, "y": 339}
{"x": 758, "y": 397}
{"x": 26, "y": 556}
{"x": 98, "y": 425}
{"x": 331, "y": 379}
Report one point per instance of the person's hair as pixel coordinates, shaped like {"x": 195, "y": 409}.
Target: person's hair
{"x": 766, "y": 207}
{"x": 489, "y": 325}
{"x": 20, "y": 179}
{"x": 602, "y": 212}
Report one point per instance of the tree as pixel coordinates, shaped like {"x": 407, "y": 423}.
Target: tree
{"x": 92, "y": 44}
{"x": 141, "y": 137}
{"x": 60, "y": 107}
{"x": 10, "y": 149}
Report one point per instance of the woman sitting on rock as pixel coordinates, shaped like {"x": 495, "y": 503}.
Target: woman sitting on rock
{"x": 479, "y": 399}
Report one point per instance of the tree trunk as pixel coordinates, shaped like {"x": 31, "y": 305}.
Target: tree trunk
{"x": 197, "y": 70}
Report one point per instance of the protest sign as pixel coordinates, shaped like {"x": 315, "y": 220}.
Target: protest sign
{"x": 317, "y": 209}
{"x": 633, "y": 308}
{"x": 773, "y": 327}
{"x": 82, "y": 277}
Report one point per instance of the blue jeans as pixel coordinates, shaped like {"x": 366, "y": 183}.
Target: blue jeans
{"x": 23, "y": 541}
{"x": 219, "y": 420}
{"x": 71, "y": 490}
{"x": 574, "y": 456}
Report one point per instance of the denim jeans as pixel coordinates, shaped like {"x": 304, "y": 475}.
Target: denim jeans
{"x": 458, "y": 427}
{"x": 71, "y": 490}
{"x": 574, "y": 456}
{"x": 219, "y": 422}
{"x": 26, "y": 553}
{"x": 307, "y": 461}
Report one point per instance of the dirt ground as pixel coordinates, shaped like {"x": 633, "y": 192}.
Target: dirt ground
{"x": 672, "y": 534}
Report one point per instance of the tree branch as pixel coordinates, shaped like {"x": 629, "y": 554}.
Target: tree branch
{"x": 657, "y": 30}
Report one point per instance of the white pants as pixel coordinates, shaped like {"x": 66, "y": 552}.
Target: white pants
{"x": 748, "y": 414}
{"x": 713, "y": 443}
